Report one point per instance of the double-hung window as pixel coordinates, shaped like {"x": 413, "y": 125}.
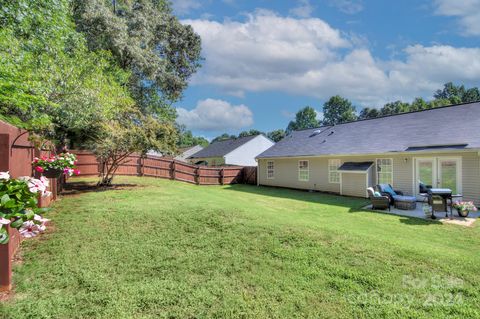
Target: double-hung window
{"x": 270, "y": 169}
{"x": 303, "y": 171}
{"x": 385, "y": 171}
{"x": 333, "y": 173}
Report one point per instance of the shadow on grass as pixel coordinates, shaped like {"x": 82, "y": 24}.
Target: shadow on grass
{"x": 354, "y": 204}
{"x": 76, "y": 188}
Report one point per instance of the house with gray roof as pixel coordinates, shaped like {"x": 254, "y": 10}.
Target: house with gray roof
{"x": 438, "y": 147}
{"x": 238, "y": 151}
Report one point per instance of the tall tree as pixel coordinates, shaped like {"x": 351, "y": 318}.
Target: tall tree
{"x": 223, "y": 137}
{"x": 276, "y": 135}
{"x": 457, "y": 93}
{"x": 419, "y": 104}
{"x": 146, "y": 39}
{"x": 186, "y": 138}
{"x": 250, "y": 132}
{"x": 305, "y": 118}
{"x": 338, "y": 110}
{"x": 394, "y": 108}
{"x": 368, "y": 113}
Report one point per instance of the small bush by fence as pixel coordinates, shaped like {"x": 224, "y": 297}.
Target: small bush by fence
{"x": 169, "y": 168}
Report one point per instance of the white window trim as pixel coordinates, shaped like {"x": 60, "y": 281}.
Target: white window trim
{"x": 376, "y": 168}
{"x": 337, "y": 171}
{"x": 273, "y": 170}
{"x": 303, "y": 170}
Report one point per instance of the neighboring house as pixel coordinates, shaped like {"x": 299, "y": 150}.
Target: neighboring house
{"x": 183, "y": 155}
{"x": 238, "y": 151}
{"x": 439, "y": 147}
{"x": 186, "y": 152}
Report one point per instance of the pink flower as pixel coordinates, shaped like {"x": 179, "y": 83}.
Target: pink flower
{"x": 36, "y": 186}
{"x": 42, "y": 221}
{"x": 4, "y": 221}
{"x": 5, "y": 175}
{"x": 29, "y": 229}
{"x": 76, "y": 171}
{"x": 44, "y": 181}
{"x": 36, "y": 159}
{"x": 39, "y": 169}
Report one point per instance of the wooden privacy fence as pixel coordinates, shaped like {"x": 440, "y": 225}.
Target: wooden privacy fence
{"x": 16, "y": 156}
{"x": 162, "y": 167}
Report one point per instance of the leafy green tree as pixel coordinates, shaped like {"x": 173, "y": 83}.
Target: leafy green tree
{"x": 305, "y": 118}
{"x": 394, "y": 108}
{"x": 338, "y": 110}
{"x": 276, "y": 135}
{"x": 368, "y": 113}
{"x": 146, "y": 39}
{"x": 223, "y": 137}
{"x": 419, "y": 104}
{"x": 187, "y": 139}
{"x": 250, "y": 132}
{"x": 127, "y": 132}
{"x": 457, "y": 93}
{"x": 50, "y": 83}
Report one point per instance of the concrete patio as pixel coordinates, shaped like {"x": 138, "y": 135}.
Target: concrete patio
{"x": 418, "y": 213}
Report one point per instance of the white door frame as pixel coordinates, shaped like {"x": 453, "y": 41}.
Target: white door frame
{"x": 436, "y": 160}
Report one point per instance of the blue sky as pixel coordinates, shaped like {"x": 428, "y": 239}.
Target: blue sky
{"x": 266, "y": 59}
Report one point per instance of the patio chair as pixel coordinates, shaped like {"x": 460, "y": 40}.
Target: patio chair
{"x": 387, "y": 190}
{"x": 378, "y": 201}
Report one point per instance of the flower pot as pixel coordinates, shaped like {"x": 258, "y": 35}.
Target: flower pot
{"x": 52, "y": 173}
{"x": 462, "y": 213}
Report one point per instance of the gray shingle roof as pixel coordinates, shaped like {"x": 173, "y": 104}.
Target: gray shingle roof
{"x": 450, "y": 127}
{"x": 222, "y": 148}
{"x": 355, "y": 166}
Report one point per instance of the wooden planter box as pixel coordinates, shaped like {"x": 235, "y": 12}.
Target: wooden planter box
{"x": 6, "y": 258}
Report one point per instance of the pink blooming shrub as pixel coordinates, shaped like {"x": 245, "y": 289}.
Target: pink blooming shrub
{"x": 19, "y": 205}
{"x": 65, "y": 162}
{"x": 465, "y": 206}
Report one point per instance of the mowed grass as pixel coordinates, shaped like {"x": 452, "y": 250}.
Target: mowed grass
{"x": 167, "y": 249}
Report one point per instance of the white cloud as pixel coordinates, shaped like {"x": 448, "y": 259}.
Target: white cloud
{"x": 308, "y": 57}
{"x": 347, "y": 6}
{"x": 303, "y": 10}
{"x": 215, "y": 115}
{"x": 468, "y": 12}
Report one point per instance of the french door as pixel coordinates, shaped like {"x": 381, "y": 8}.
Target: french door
{"x": 440, "y": 172}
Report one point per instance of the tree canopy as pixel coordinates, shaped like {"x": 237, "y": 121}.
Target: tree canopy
{"x": 80, "y": 73}
{"x": 304, "y": 118}
{"x": 338, "y": 110}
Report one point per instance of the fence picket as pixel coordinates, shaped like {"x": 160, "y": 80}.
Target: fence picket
{"x": 161, "y": 167}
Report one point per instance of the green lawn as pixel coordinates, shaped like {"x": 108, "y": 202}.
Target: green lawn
{"x": 168, "y": 249}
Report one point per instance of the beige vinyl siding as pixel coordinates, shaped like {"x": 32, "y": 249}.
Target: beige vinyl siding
{"x": 286, "y": 175}
{"x": 286, "y": 172}
{"x": 471, "y": 177}
{"x": 354, "y": 184}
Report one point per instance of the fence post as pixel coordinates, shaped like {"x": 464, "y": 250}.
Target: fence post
{"x": 222, "y": 178}
{"x": 142, "y": 164}
{"x": 172, "y": 173}
{"x": 197, "y": 175}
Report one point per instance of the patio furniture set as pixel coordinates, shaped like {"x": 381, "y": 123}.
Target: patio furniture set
{"x": 383, "y": 196}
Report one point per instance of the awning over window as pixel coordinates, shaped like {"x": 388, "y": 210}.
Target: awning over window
{"x": 436, "y": 147}
{"x": 355, "y": 166}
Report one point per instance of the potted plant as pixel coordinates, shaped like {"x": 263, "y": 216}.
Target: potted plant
{"x": 19, "y": 205}
{"x": 463, "y": 208}
{"x": 56, "y": 165}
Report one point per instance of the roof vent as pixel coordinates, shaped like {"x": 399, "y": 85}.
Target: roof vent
{"x": 315, "y": 133}
{"x": 331, "y": 133}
